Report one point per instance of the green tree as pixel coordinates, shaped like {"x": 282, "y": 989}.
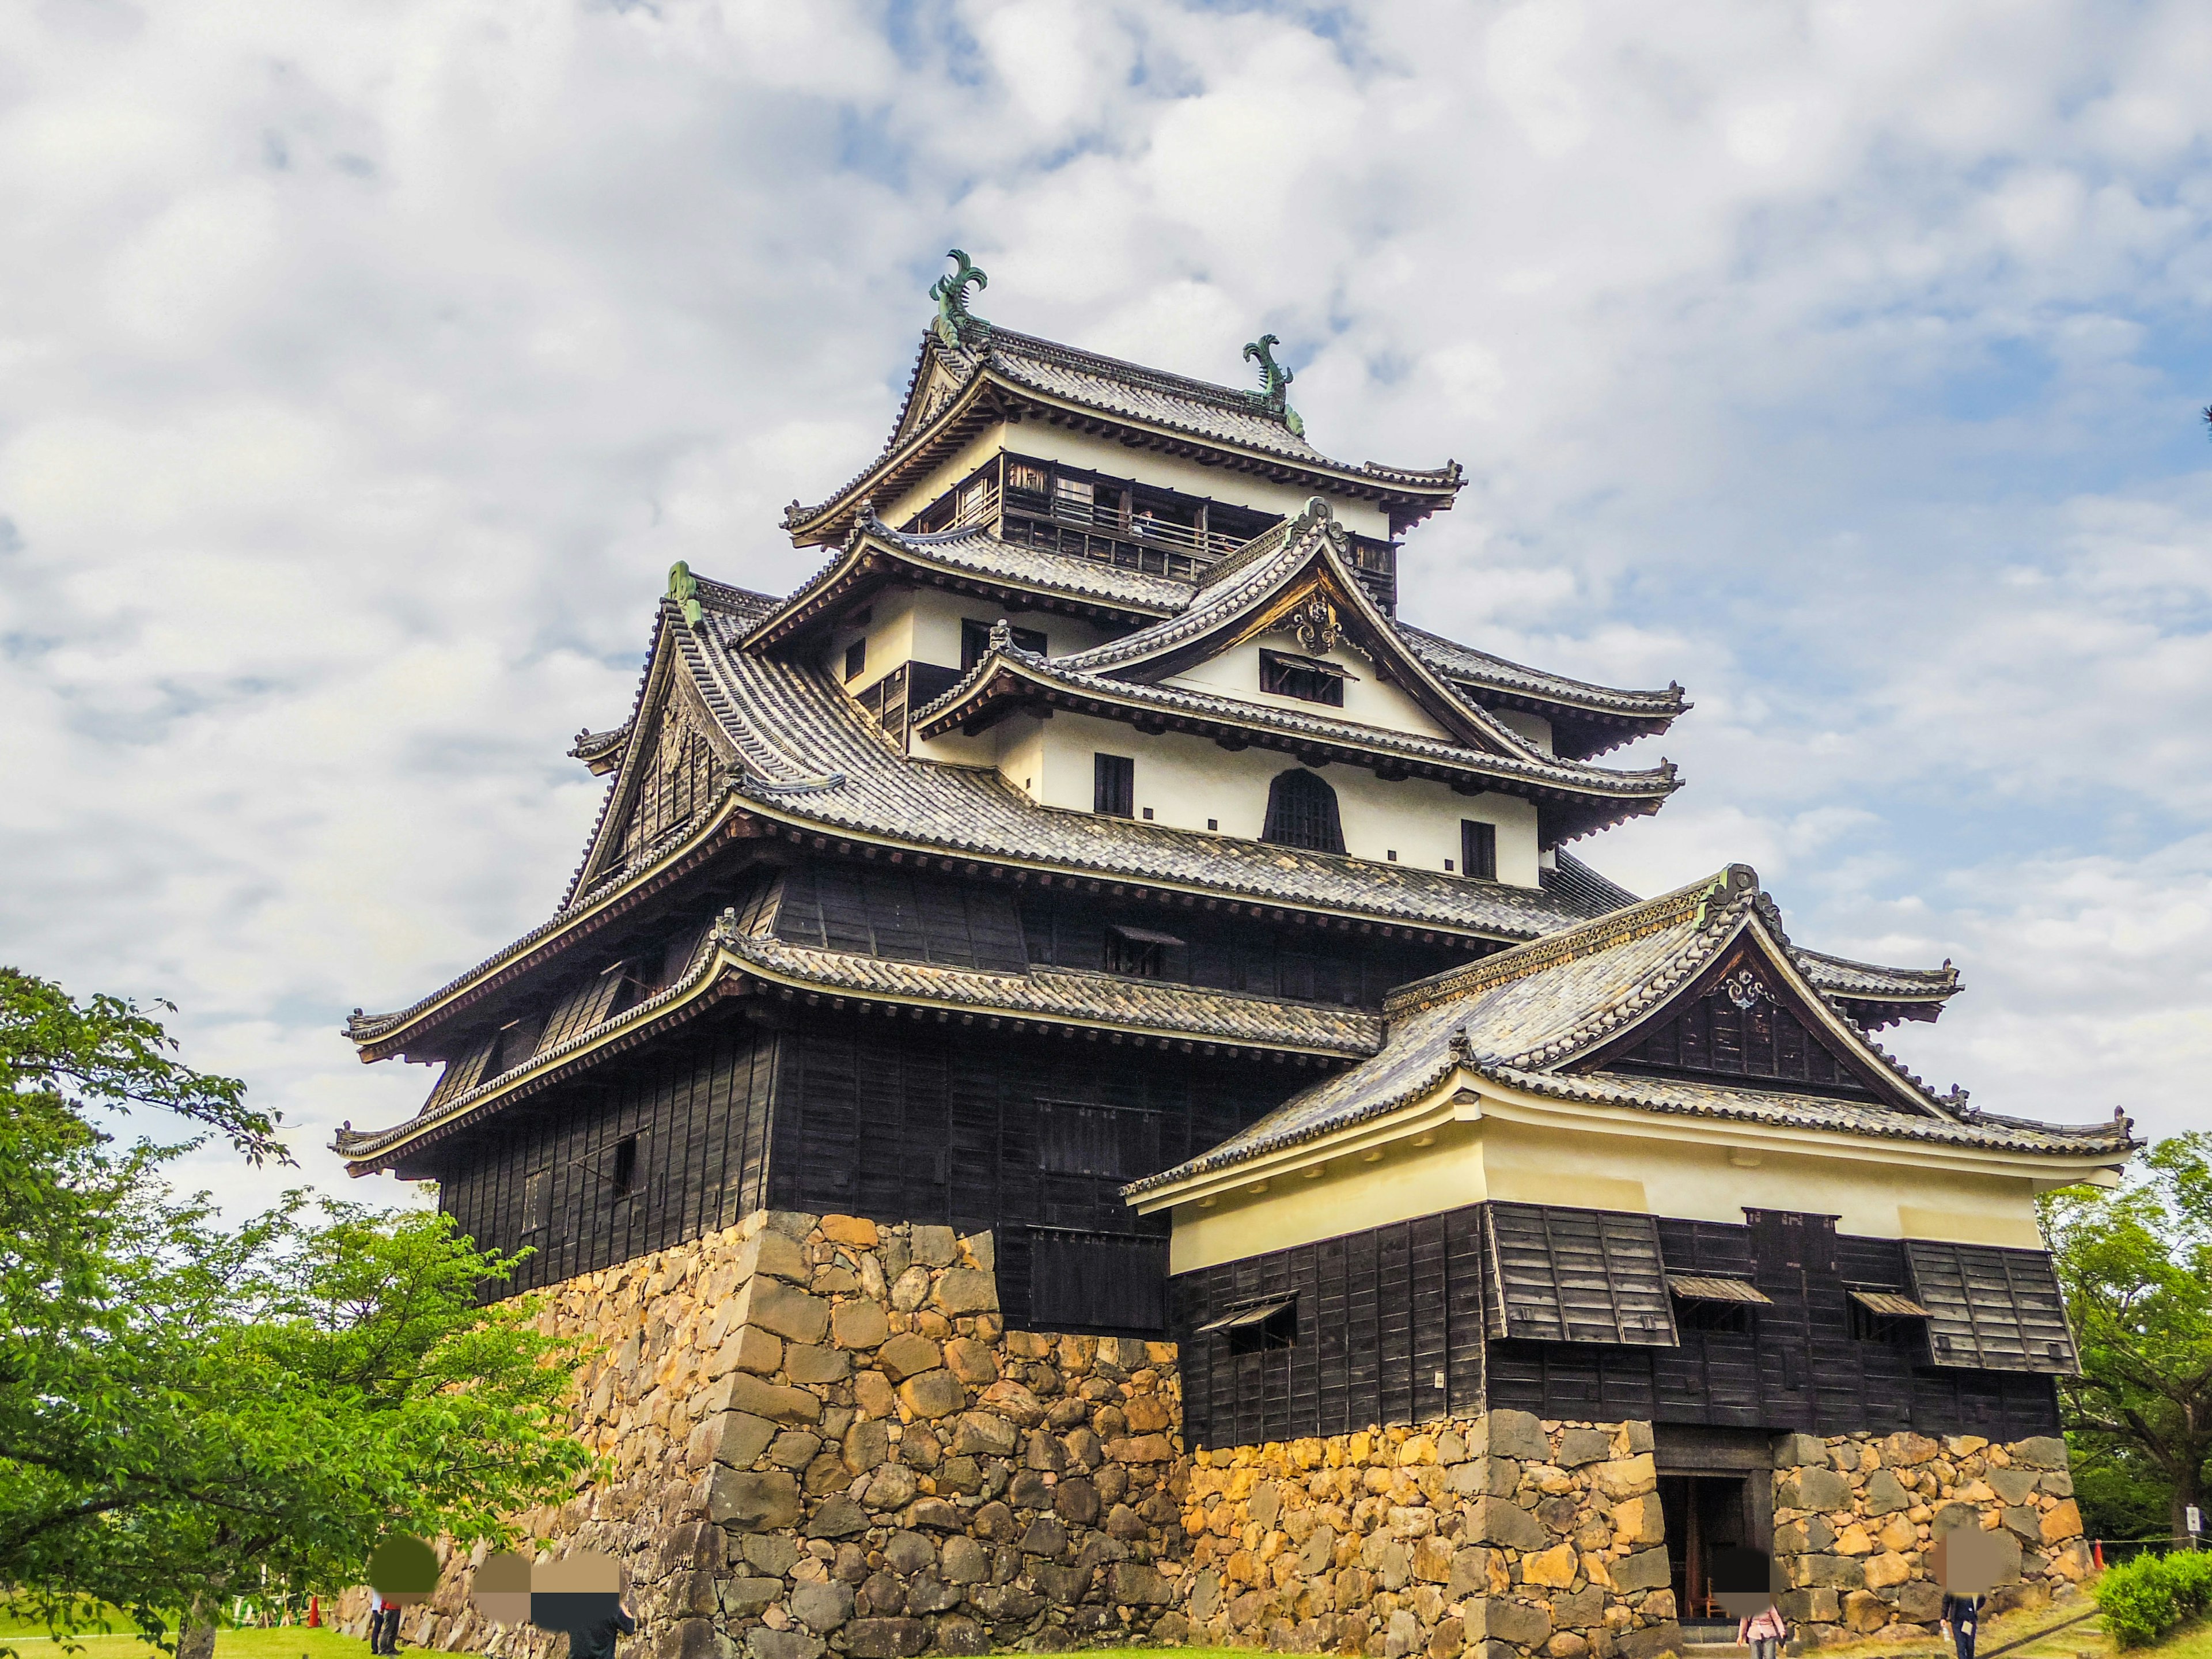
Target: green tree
{"x": 186, "y": 1405}
{"x": 2135, "y": 1262}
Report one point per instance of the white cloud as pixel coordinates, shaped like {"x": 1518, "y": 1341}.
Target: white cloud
{"x": 362, "y": 372}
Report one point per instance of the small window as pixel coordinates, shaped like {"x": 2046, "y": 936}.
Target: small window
{"x": 856, "y": 659}
{"x": 976, "y": 642}
{"x": 1304, "y": 677}
{"x": 624, "y": 1173}
{"x": 1114, "y": 785}
{"x": 1022, "y": 475}
{"x": 1258, "y": 1327}
{"x": 1139, "y": 953}
{"x": 1074, "y": 497}
{"x": 1730, "y": 1318}
{"x": 538, "y": 1202}
{"x": 1302, "y": 812}
{"x": 1478, "y": 848}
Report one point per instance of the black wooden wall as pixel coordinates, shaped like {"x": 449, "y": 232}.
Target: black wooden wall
{"x": 1388, "y": 1328}
{"x": 698, "y": 1108}
{"x": 1381, "y": 1313}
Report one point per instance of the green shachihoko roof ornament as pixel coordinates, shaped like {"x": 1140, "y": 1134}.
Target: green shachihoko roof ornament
{"x": 1274, "y": 395}
{"x": 684, "y": 588}
{"x": 955, "y": 323}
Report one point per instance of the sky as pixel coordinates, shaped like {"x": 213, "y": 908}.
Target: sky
{"x": 363, "y": 368}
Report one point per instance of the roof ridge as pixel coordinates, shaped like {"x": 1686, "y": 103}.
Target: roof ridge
{"x": 1670, "y": 700}
{"x": 1605, "y": 932}
{"x": 1166, "y": 380}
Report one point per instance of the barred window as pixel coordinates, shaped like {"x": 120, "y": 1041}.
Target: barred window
{"x": 1305, "y": 678}
{"x": 1114, "y": 785}
{"x": 976, "y": 641}
{"x": 1478, "y": 848}
{"x": 856, "y": 659}
{"x": 1302, "y": 812}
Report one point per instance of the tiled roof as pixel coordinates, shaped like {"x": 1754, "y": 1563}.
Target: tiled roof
{"x": 1042, "y": 995}
{"x": 1462, "y": 662}
{"x": 1868, "y": 982}
{"x": 1529, "y": 767}
{"x": 1519, "y": 1016}
{"x": 1171, "y": 404}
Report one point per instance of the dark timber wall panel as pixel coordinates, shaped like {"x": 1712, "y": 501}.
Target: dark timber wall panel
{"x": 1387, "y": 1328}
{"x": 900, "y": 1121}
{"x": 698, "y": 1106}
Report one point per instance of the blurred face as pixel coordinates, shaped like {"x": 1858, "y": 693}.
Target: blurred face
{"x": 1965, "y": 1561}
{"x": 1743, "y": 1582}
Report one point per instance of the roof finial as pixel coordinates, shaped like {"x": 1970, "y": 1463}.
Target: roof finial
{"x": 1002, "y": 635}
{"x": 1275, "y": 383}
{"x": 684, "y": 588}
{"x": 955, "y": 322}
{"x": 1463, "y": 1047}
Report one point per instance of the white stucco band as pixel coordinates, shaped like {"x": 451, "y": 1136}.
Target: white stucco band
{"x": 1472, "y": 1140}
{"x": 1192, "y": 783}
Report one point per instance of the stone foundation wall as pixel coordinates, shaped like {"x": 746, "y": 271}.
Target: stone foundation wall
{"x": 1854, "y": 1516}
{"x": 1503, "y": 1534}
{"x": 822, "y": 1440}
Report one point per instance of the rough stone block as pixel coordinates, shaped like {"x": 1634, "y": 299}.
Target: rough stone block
{"x": 1864, "y": 1612}
{"x": 1511, "y": 1434}
{"x": 967, "y": 1290}
{"x": 849, "y": 1230}
{"x": 1581, "y": 1446}
{"x": 1630, "y": 1477}
{"x": 980, "y": 1434}
{"x": 1837, "y": 1572}
{"x": 934, "y": 1246}
{"x": 748, "y": 1348}
{"x": 1887, "y": 1570}
{"x": 2014, "y": 1485}
{"x": 1498, "y": 1477}
{"x": 2061, "y": 1522}
{"x": 1920, "y": 1601}
{"x": 752, "y": 1503}
{"x": 1885, "y": 1495}
{"x": 1043, "y": 1536}
{"x": 1499, "y": 1521}
{"x": 739, "y": 1438}
{"x": 1554, "y": 1568}
{"x": 793, "y": 1448}
{"x": 1636, "y": 1434}
{"x": 1817, "y": 1604}
{"x": 775, "y": 1254}
{"x": 859, "y": 1324}
{"x": 971, "y": 1362}
{"x": 890, "y": 1487}
{"x": 936, "y": 1394}
{"x": 743, "y": 1597}
{"x": 789, "y": 1312}
{"x": 2045, "y": 1451}
{"x": 1650, "y": 1642}
{"x": 1010, "y": 1400}
{"x": 776, "y": 1404}
{"x": 1906, "y": 1451}
{"x": 866, "y": 1444}
{"x": 909, "y": 1354}
{"x": 934, "y": 1513}
{"x": 1583, "y": 1610}
{"x": 824, "y": 1606}
{"x": 1639, "y": 1521}
{"x": 770, "y": 1554}
{"x": 761, "y": 1642}
{"x": 1134, "y": 1585}
{"x": 803, "y": 1363}
{"x": 1799, "y": 1451}
{"x": 930, "y": 1594}
{"x": 1814, "y": 1489}
{"x": 2023, "y": 1522}
{"x": 1645, "y": 1570}
{"x": 1496, "y": 1619}
{"x": 886, "y": 1638}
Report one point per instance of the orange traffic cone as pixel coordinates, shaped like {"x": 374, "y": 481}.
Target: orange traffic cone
{"x": 314, "y": 1612}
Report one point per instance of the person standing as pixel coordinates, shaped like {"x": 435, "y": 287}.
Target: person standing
{"x": 599, "y": 1641}
{"x": 1763, "y": 1632}
{"x": 1962, "y": 1618}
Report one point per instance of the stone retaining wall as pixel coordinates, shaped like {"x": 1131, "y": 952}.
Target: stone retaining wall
{"x": 1853, "y": 1516}
{"x": 823, "y": 1440}
{"x": 1502, "y": 1533}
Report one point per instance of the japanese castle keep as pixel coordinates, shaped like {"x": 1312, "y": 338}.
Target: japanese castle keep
{"x": 1086, "y": 1096}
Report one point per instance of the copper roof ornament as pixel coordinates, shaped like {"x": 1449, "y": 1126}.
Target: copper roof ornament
{"x": 684, "y": 588}
{"x": 955, "y": 323}
{"x": 1274, "y": 395}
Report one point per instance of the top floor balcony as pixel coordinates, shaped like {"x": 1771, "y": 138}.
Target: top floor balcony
{"x": 1120, "y": 521}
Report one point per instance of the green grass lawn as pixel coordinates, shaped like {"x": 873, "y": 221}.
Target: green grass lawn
{"x": 287, "y": 1642}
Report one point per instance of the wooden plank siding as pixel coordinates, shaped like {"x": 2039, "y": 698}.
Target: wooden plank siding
{"x": 698, "y": 1105}
{"x": 1236, "y": 954}
{"x": 1381, "y": 1316}
{"x": 1992, "y": 1308}
{"x": 1380, "y": 1311}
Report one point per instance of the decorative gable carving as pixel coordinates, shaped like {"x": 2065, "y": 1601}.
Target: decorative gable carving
{"x": 675, "y": 781}
{"x": 1744, "y": 1022}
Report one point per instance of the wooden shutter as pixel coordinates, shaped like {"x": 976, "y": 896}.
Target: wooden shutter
{"x": 1110, "y": 1284}
{"x": 1562, "y": 1275}
{"x": 1991, "y": 1309}
{"x": 463, "y": 1072}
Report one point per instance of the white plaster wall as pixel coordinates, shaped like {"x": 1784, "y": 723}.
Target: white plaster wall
{"x": 909, "y": 624}
{"x": 1186, "y": 781}
{"x": 1116, "y": 460}
{"x": 1534, "y": 728}
{"x": 1368, "y": 698}
{"x": 1899, "y": 1195}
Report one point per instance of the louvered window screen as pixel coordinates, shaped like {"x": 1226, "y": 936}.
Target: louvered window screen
{"x": 1561, "y": 1275}
{"x": 1991, "y": 1309}
{"x": 1302, "y": 812}
{"x": 463, "y": 1072}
